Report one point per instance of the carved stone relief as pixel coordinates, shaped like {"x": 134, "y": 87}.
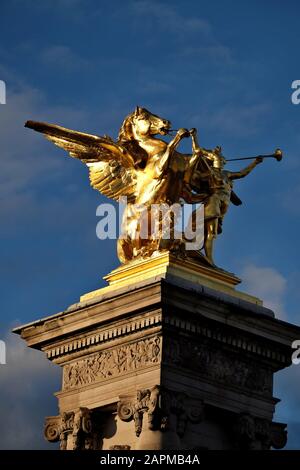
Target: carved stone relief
{"x": 218, "y": 365}
{"x": 113, "y": 362}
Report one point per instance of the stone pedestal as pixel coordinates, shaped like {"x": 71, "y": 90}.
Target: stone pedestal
{"x": 168, "y": 356}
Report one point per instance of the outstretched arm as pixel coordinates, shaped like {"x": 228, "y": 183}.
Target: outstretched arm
{"x": 235, "y": 175}
{"x": 171, "y": 147}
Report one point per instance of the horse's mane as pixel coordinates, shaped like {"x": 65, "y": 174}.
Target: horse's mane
{"x": 127, "y": 140}
{"x": 125, "y": 132}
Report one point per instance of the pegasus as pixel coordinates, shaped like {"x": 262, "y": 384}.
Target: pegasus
{"x": 148, "y": 172}
{"x": 139, "y": 166}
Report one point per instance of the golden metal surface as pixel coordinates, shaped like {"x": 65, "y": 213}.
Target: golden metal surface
{"x": 164, "y": 265}
{"x": 149, "y": 171}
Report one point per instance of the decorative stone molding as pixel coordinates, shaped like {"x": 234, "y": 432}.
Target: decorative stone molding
{"x": 80, "y": 343}
{"x": 52, "y": 428}
{"x": 73, "y": 430}
{"x": 218, "y": 365}
{"x": 255, "y": 433}
{"x": 120, "y": 447}
{"x": 220, "y": 335}
{"x": 111, "y": 363}
{"x": 162, "y": 409}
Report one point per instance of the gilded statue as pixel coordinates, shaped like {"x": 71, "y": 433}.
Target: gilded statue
{"x": 150, "y": 172}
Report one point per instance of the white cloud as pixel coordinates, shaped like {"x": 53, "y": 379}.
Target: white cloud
{"x": 154, "y": 87}
{"x": 267, "y": 284}
{"x": 64, "y": 7}
{"x": 26, "y": 168}
{"x": 27, "y": 384}
{"x": 242, "y": 120}
{"x": 21, "y": 155}
{"x": 271, "y": 286}
{"x": 62, "y": 57}
{"x": 168, "y": 18}
{"x": 188, "y": 36}
{"x": 217, "y": 53}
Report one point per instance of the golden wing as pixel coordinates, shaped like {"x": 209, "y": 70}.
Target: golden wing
{"x": 111, "y": 167}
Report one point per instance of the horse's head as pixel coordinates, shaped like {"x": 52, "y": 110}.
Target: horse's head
{"x": 143, "y": 123}
{"x": 146, "y": 123}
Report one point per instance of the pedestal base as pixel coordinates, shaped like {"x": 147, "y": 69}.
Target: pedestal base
{"x": 168, "y": 356}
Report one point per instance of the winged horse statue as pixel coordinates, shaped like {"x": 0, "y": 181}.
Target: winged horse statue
{"x": 139, "y": 166}
{"x": 148, "y": 171}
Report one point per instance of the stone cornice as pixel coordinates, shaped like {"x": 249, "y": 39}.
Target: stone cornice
{"x": 231, "y": 338}
{"x": 69, "y": 348}
{"x": 86, "y": 326}
{"x": 84, "y": 316}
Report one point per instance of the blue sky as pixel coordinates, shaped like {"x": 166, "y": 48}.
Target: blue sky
{"x": 225, "y": 67}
